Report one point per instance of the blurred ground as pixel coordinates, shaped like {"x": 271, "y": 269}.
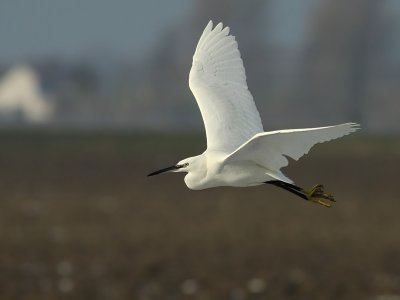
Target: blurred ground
{"x": 80, "y": 220}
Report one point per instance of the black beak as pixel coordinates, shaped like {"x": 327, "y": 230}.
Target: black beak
{"x": 176, "y": 167}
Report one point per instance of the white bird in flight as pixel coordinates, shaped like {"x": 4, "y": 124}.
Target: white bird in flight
{"x": 239, "y": 153}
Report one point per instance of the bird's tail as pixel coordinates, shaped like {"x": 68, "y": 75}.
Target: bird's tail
{"x": 278, "y": 175}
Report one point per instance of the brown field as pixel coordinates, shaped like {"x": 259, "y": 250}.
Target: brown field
{"x": 79, "y": 219}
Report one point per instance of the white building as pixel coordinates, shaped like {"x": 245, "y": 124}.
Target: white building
{"x": 21, "y": 98}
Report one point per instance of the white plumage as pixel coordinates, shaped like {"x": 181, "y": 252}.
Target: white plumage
{"x": 269, "y": 149}
{"x": 239, "y": 152}
{"x": 218, "y": 82}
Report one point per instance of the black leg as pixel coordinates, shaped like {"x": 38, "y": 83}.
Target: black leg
{"x": 289, "y": 187}
{"x": 316, "y": 194}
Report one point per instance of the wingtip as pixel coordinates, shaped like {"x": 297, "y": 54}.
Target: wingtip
{"x": 351, "y": 127}
{"x": 355, "y": 126}
{"x": 219, "y": 26}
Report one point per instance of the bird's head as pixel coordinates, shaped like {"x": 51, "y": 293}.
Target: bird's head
{"x": 182, "y": 166}
{"x": 195, "y": 169}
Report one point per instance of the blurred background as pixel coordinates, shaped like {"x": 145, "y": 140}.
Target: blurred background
{"x": 94, "y": 95}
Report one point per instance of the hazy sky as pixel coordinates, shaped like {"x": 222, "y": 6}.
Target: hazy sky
{"x": 74, "y": 28}
{"x": 127, "y": 28}
{"x": 66, "y": 28}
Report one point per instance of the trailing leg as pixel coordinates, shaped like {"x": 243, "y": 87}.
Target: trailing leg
{"x": 315, "y": 194}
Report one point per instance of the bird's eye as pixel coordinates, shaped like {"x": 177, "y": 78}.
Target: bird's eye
{"x": 185, "y": 165}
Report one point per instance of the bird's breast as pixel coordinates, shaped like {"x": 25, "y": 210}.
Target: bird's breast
{"x": 228, "y": 175}
{"x": 241, "y": 175}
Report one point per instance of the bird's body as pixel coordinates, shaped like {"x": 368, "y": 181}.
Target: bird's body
{"x": 216, "y": 172}
{"x": 239, "y": 153}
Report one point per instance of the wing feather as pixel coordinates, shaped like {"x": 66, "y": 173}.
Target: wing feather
{"x": 218, "y": 82}
{"x": 269, "y": 149}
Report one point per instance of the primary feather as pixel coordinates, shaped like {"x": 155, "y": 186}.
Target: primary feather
{"x": 218, "y": 81}
{"x": 268, "y": 149}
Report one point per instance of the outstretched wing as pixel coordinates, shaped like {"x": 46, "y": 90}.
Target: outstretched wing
{"x": 218, "y": 82}
{"x": 269, "y": 149}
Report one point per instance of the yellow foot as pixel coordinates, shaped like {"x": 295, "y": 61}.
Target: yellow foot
{"x": 317, "y": 195}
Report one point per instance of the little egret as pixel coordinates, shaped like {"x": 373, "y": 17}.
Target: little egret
{"x": 239, "y": 153}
